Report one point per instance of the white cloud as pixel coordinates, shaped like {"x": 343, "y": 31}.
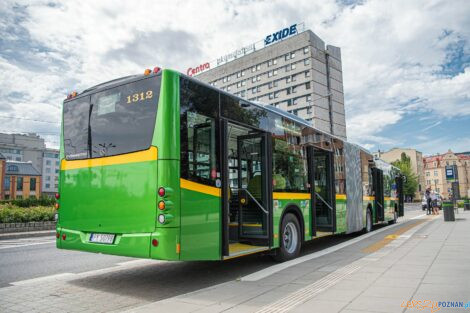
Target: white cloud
{"x": 392, "y": 50}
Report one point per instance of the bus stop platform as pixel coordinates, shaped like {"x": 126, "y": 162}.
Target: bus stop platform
{"x": 420, "y": 264}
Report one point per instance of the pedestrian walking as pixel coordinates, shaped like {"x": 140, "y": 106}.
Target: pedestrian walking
{"x": 435, "y": 208}
{"x": 427, "y": 194}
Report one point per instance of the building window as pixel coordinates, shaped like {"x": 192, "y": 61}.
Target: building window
{"x": 307, "y": 74}
{"x": 32, "y": 184}
{"x": 253, "y": 91}
{"x": 293, "y": 66}
{"x": 56, "y": 170}
{"x": 271, "y": 96}
{"x": 258, "y": 78}
{"x": 306, "y": 61}
{"x": 253, "y": 79}
{"x": 292, "y": 55}
{"x": 427, "y": 173}
{"x": 48, "y": 178}
{"x": 6, "y": 183}
{"x": 56, "y": 163}
{"x": 48, "y": 186}
{"x": 307, "y": 85}
{"x": 294, "y": 89}
{"x": 18, "y": 159}
{"x": 243, "y": 82}
{"x": 294, "y": 77}
{"x": 276, "y": 94}
{"x": 288, "y": 79}
{"x": 289, "y": 102}
{"x": 270, "y": 62}
{"x": 306, "y": 50}
{"x": 295, "y": 101}
{"x": 270, "y": 73}
{"x": 228, "y": 88}
{"x": 288, "y": 90}
{"x": 239, "y": 74}
{"x": 435, "y": 173}
{"x": 224, "y": 80}
{"x": 19, "y": 183}
{"x": 286, "y": 57}
{"x": 258, "y": 67}
{"x": 242, "y": 94}
{"x": 13, "y": 168}
{"x": 309, "y": 98}
{"x": 48, "y": 162}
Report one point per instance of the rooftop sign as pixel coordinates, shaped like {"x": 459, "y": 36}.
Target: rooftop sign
{"x": 268, "y": 40}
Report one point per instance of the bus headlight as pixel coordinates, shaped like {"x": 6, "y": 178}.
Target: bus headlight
{"x": 161, "y": 218}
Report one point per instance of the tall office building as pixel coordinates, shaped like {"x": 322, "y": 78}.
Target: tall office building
{"x": 297, "y": 74}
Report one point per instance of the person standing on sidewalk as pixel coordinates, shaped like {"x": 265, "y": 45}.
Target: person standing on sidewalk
{"x": 427, "y": 194}
{"x": 435, "y": 209}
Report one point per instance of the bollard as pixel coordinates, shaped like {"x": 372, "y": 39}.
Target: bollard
{"x": 448, "y": 208}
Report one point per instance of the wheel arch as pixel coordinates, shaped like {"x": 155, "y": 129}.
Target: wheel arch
{"x": 294, "y": 209}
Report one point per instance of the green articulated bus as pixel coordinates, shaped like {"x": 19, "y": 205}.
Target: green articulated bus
{"x": 163, "y": 166}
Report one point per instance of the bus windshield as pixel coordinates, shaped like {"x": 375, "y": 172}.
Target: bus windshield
{"x": 114, "y": 121}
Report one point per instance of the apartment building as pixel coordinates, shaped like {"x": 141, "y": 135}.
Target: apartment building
{"x": 438, "y": 167}
{"x": 32, "y": 148}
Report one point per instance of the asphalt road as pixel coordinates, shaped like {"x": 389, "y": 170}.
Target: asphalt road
{"x": 29, "y": 258}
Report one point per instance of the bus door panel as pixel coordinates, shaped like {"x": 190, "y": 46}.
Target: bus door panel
{"x": 324, "y": 191}
{"x": 253, "y": 194}
{"x": 378, "y": 184}
{"x": 401, "y": 196}
{"x": 311, "y": 182}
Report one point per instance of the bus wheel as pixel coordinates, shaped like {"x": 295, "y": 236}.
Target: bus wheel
{"x": 290, "y": 238}
{"x": 368, "y": 221}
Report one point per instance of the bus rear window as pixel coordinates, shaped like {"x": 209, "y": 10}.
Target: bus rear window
{"x": 114, "y": 121}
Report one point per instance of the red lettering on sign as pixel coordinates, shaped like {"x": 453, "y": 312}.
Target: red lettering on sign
{"x": 193, "y": 71}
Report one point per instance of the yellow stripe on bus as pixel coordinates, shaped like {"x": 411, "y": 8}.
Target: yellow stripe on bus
{"x": 340, "y": 197}
{"x": 370, "y": 198}
{"x": 290, "y": 196}
{"x": 209, "y": 190}
{"x": 134, "y": 157}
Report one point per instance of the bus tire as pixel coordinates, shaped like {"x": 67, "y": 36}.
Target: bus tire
{"x": 290, "y": 239}
{"x": 368, "y": 228}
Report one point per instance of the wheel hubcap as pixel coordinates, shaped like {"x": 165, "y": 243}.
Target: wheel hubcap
{"x": 290, "y": 237}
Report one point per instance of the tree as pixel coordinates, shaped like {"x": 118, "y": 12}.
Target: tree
{"x": 411, "y": 184}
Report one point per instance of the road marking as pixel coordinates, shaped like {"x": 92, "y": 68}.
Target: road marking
{"x": 419, "y": 216}
{"x": 4, "y": 244}
{"x": 282, "y": 266}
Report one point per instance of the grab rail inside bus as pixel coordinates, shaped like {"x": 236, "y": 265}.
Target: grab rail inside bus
{"x": 323, "y": 200}
{"x": 256, "y": 201}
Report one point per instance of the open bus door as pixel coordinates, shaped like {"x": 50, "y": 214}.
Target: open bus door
{"x": 321, "y": 179}
{"x": 400, "y": 194}
{"x": 246, "y": 190}
{"x": 378, "y": 186}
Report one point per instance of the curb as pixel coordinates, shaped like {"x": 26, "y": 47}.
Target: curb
{"x": 43, "y": 233}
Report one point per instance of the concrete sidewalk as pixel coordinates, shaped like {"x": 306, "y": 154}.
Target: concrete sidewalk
{"x": 425, "y": 259}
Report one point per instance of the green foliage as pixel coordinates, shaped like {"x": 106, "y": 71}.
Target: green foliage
{"x": 30, "y": 202}
{"x": 411, "y": 184}
{"x": 14, "y": 214}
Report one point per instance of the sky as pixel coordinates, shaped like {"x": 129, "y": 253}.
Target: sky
{"x": 406, "y": 64}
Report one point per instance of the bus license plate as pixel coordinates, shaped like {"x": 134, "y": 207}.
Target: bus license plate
{"x": 102, "y": 238}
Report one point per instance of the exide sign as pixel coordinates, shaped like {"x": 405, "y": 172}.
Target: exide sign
{"x": 283, "y": 33}
{"x": 193, "y": 71}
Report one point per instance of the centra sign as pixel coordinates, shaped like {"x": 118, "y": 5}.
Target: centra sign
{"x": 193, "y": 71}
{"x": 281, "y": 34}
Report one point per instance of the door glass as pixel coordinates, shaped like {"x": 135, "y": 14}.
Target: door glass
{"x": 251, "y": 188}
{"x": 322, "y": 188}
